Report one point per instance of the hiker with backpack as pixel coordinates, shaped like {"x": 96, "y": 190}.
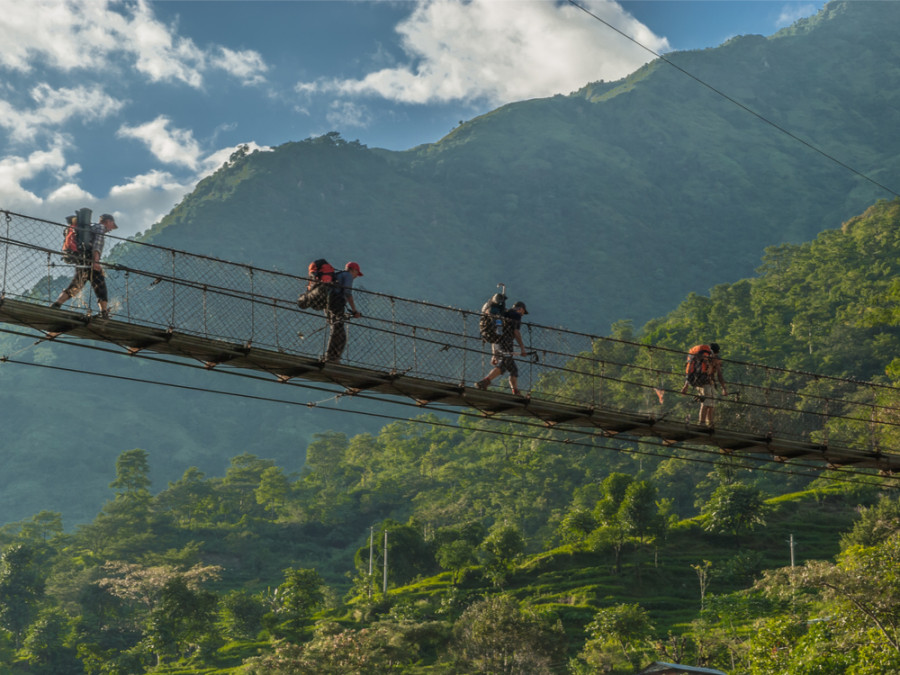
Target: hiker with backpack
{"x": 83, "y": 247}
{"x": 508, "y": 323}
{"x": 341, "y": 295}
{"x": 702, "y": 372}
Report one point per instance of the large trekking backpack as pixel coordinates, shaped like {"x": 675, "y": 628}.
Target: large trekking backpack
{"x": 318, "y": 288}
{"x": 77, "y": 238}
{"x": 698, "y": 369}
{"x": 320, "y": 271}
{"x": 492, "y": 320}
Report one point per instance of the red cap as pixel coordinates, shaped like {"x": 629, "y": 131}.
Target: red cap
{"x": 353, "y": 266}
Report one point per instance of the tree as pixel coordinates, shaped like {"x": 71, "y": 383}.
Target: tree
{"x": 172, "y": 607}
{"x": 241, "y": 481}
{"x": 455, "y": 556}
{"x": 496, "y": 636}
{"x": 21, "y": 588}
{"x": 182, "y": 615}
{"x": 274, "y": 489}
{"x": 857, "y": 601}
{"x": 241, "y": 615}
{"x": 294, "y": 602}
{"x": 734, "y": 509}
{"x": 189, "y": 500}
{"x": 48, "y": 644}
{"x": 503, "y": 545}
{"x": 576, "y": 525}
{"x": 639, "y": 511}
{"x": 132, "y": 474}
{"x": 409, "y": 555}
{"x": 628, "y": 626}
{"x": 614, "y": 488}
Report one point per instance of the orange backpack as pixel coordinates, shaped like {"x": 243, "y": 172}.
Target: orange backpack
{"x": 320, "y": 271}
{"x": 698, "y": 370}
{"x": 77, "y": 238}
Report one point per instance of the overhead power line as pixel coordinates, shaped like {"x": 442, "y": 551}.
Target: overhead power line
{"x": 735, "y": 102}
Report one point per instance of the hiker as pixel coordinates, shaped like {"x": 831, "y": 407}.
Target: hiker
{"x": 502, "y": 351}
{"x": 341, "y": 295}
{"x": 88, "y": 268}
{"x": 703, "y": 372}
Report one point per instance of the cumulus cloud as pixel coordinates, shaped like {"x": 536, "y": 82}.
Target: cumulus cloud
{"x": 171, "y": 146}
{"x": 247, "y": 66}
{"x": 503, "y": 51}
{"x": 15, "y": 170}
{"x": 54, "y": 108}
{"x": 113, "y": 31}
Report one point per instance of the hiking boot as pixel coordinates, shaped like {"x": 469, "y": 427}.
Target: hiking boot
{"x": 55, "y": 305}
{"x": 516, "y": 392}
{"x": 104, "y": 313}
{"x": 482, "y": 384}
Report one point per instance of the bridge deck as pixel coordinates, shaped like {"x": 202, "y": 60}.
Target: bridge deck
{"x": 286, "y": 365}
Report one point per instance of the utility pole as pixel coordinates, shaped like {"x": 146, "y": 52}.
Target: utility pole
{"x": 371, "y": 552}
{"x": 384, "y": 585}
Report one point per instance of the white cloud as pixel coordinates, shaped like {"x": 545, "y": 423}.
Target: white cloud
{"x": 15, "y": 170}
{"x": 501, "y": 51}
{"x": 171, "y": 146}
{"x": 347, "y": 114}
{"x": 55, "y": 107}
{"x": 794, "y": 11}
{"x": 247, "y": 66}
{"x": 96, "y": 34}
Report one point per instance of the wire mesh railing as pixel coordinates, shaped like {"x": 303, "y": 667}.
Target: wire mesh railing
{"x": 154, "y": 286}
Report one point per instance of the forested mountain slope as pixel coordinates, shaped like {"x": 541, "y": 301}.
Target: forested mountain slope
{"x": 643, "y": 190}
{"x": 612, "y": 203}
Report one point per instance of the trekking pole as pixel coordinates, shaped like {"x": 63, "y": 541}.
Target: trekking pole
{"x": 303, "y": 336}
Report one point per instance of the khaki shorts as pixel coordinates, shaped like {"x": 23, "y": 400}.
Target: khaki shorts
{"x": 708, "y": 392}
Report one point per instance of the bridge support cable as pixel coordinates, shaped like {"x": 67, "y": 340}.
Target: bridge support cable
{"x": 217, "y": 313}
{"x": 507, "y": 427}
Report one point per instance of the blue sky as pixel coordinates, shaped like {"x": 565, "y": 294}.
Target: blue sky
{"x": 123, "y": 105}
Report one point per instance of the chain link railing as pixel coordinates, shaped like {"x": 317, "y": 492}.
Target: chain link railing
{"x": 199, "y": 295}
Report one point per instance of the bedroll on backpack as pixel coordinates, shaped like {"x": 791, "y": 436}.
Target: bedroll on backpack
{"x": 698, "y": 370}
{"x": 77, "y": 238}
{"x": 491, "y": 321}
{"x": 318, "y": 288}
{"x": 320, "y": 271}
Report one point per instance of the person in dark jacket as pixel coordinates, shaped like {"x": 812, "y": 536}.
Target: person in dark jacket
{"x": 502, "y": 351}
{"x": 335, "y": 313}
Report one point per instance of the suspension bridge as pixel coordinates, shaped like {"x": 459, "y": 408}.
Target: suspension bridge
{"x": 221, "y": 313}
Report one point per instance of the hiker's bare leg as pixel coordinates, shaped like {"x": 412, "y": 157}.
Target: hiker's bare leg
{"x": 63, "y": 298}
{"x": 514, "y": 384}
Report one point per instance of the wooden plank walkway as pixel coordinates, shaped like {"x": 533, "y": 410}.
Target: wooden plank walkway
{"x": 284, "y": 366}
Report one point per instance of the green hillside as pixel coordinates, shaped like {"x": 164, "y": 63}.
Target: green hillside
{"x": 505, "y": 554}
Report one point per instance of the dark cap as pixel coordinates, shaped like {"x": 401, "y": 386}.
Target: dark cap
{"x": 107, "y": 216}
{"x": 71, "y": 219}
{"x": 522, "y": 305}
{"x": 714, "y": 346}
